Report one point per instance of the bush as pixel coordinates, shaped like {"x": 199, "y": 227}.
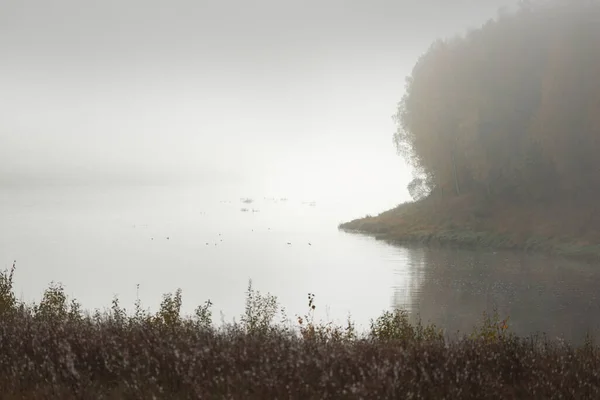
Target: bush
{"x": 53, "y": 350}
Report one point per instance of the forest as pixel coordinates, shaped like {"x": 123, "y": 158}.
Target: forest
{"x": 509, "y": 110}
{"x": 501, "y": 127}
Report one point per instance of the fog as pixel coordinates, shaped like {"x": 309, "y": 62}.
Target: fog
{"x": 277, "y": 96}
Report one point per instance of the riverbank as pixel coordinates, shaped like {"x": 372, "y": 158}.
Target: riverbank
{"x": 562, "y": 228}
{"x": 54, "y": 350}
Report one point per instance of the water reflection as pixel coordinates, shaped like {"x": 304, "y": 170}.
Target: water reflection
{"x": 452, "y": 288}
{"x": 409, "y": 278}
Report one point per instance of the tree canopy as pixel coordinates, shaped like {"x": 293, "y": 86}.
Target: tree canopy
{"x": 512, "y": 107}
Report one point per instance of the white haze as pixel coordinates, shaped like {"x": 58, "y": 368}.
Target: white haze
{"x": 282, "y": 97}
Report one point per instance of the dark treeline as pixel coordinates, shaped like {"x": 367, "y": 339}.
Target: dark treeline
{"x": 509, "y": 109}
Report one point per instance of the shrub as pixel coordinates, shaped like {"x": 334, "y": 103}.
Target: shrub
{"x": 53, "y": 350}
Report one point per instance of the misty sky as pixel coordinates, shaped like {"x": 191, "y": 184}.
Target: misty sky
{"x": 277, "y": 94}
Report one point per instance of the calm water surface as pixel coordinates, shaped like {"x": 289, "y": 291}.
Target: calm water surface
{"x": 103, "y": 242}
{"x": 541, "y": 294}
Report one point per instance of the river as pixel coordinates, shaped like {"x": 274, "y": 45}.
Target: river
{"x": 102, "y": 242}
{"x": 540, "y": 294}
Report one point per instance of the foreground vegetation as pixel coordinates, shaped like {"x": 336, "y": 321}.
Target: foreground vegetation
{"x": 53, "y": 350}
{"x": 502, "y": 129}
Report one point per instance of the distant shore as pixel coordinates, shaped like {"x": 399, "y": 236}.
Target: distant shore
{"x": 470, "y": 222}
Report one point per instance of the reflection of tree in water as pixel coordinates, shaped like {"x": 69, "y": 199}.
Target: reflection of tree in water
{"x": 454, "y": 287}
{"x": 409, "y": 274}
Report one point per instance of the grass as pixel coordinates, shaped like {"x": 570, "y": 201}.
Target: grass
{"x": 54, "y": 350}
{"x": 562, "y": 228}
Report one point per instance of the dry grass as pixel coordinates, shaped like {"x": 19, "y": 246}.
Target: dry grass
{"x": 51, "y": 350}
{"x": 561, "y": 227}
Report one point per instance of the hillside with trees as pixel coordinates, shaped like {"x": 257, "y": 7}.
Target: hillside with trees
{"x": 502, "y": 129}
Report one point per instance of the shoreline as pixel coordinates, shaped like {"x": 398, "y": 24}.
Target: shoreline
{"x": 402, "y": 226}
